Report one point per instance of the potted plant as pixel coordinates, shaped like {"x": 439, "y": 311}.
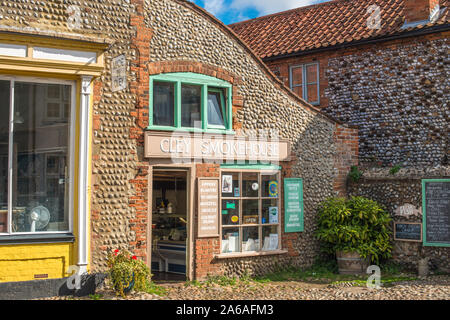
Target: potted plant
{"x": 127, "y": 272}
{"x": 357, "y": 230}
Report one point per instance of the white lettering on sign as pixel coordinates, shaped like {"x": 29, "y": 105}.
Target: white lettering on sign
{"x": 208, "y": 207}
{"x": 186, "y": 147}
{"x": 408, "y": 210}
{"x": 119, "y": 73}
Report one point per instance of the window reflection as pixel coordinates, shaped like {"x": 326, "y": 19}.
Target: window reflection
{"x": 39, "y": 156}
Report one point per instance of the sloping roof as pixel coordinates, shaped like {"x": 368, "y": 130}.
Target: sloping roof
{"x": 323, "y": 25}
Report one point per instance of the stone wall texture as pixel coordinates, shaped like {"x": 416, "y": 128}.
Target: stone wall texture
{"x": 395, "y": 91}
{"x": 154, "y": 35}
{"x": 394, "y": 191}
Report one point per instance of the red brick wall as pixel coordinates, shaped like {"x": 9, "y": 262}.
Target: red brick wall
{"x": 346, "y": 140}
{"x": 205, "y": 248}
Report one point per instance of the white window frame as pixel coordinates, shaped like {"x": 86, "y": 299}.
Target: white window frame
{"x": 305, "y": 82}
{"x": 71, "y": 149}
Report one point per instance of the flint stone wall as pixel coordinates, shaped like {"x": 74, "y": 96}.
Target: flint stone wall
{"x": 394, "y": 191}
{"x": 173, "y": 30}
{"x": 397, "y": 93}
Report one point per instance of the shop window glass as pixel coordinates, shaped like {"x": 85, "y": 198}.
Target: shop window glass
{"x": 230, "y": 240}
{"x": 38, "y": 148}
{"x": 4, "y": 138}
{"x": 250, "y": 239}
{"x": 191, "y": 96}
{"x": 231, "y": 185}
{"x": 250, "y": 185}
{"x": 270, "y": 238}
{"x": 230, "y": 212}
{"x": 257, "y": 217}
{"x": 163, "y": 103}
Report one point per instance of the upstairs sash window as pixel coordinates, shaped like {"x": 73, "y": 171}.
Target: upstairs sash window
{"x": 304, "y": 81}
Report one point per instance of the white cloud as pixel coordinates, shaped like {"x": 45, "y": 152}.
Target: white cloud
{"x": 268, "y": 6}
{"x": 214, "y": 6}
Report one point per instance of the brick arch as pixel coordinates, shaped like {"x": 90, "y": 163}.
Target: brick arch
{"x": 192, "y": 66}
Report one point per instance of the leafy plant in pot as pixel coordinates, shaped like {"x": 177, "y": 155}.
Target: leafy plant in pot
{"x": 357, "y": 230}
{"x": 127, "y": 272}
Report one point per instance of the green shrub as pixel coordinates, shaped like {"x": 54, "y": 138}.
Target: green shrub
{"x": 124, "y": 268}
{"x": 355, "y": 225}
{"x": 355, "y": 174}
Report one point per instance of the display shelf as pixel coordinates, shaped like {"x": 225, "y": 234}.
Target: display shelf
{"x": 169, "y": 215}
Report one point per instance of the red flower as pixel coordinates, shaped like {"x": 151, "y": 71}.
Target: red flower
{"x": 134, "y": 257}
{"x": 117, "y": 250}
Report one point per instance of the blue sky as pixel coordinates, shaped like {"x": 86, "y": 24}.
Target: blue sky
{"x": 230, "y": 11}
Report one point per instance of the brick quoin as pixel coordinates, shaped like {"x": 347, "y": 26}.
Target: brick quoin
{"x": 140, "y": 87}
{"x": 205, "y": 248}
{"x": 347, "y": 155}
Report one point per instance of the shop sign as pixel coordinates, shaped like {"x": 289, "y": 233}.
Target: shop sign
{"x": 293, "y": 205}
{"x": 119, "y": 73}
{"x": 208, "y": 207}
{"x": 214, "y": 147}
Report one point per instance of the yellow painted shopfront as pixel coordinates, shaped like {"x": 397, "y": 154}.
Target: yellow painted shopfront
{"x": 45, "y": 143}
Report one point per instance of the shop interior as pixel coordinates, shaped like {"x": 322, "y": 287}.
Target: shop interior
{"x": 169, "y": 224}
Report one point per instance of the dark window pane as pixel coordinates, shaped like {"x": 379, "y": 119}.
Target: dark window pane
{"x": 4, "y": 138}
{"x": 40, "y": 161}
{"x": 191, "y": 97}
{"x": 250, "y": 184}
{"x": 230, "y": 212}
{"x": 215, "y": 109}
{"x": 163, "y": 103}
{"x": 250, "y": 211}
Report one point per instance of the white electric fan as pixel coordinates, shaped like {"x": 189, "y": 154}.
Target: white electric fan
{"x": 39, "y": 218}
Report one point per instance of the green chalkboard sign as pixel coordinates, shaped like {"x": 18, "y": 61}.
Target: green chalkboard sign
{"x": 436, "y": 212}
{"x": 293, "y": 205}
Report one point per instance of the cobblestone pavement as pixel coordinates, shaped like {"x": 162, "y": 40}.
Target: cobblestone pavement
{"x": 432, "y": 288}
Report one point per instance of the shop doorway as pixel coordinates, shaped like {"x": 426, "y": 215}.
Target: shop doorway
{"x": 170, "y": 203}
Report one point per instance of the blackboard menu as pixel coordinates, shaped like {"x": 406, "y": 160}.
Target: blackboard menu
{"x": 408, "y": 231}
{"x": 436, "y": 204}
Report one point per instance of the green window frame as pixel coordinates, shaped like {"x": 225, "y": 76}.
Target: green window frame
{"x": 207, "y": 84}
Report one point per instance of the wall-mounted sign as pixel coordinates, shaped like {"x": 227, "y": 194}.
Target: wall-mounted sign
{"x": 189, "y": 146}
{"x": 407, "y": 231}
{"x": 293, "y": 205}
{"x": 118, "y": 73}
{"x": 407, "y": 210}
{"x": 436, "y": 212}
{"x": 208, "y": 207}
